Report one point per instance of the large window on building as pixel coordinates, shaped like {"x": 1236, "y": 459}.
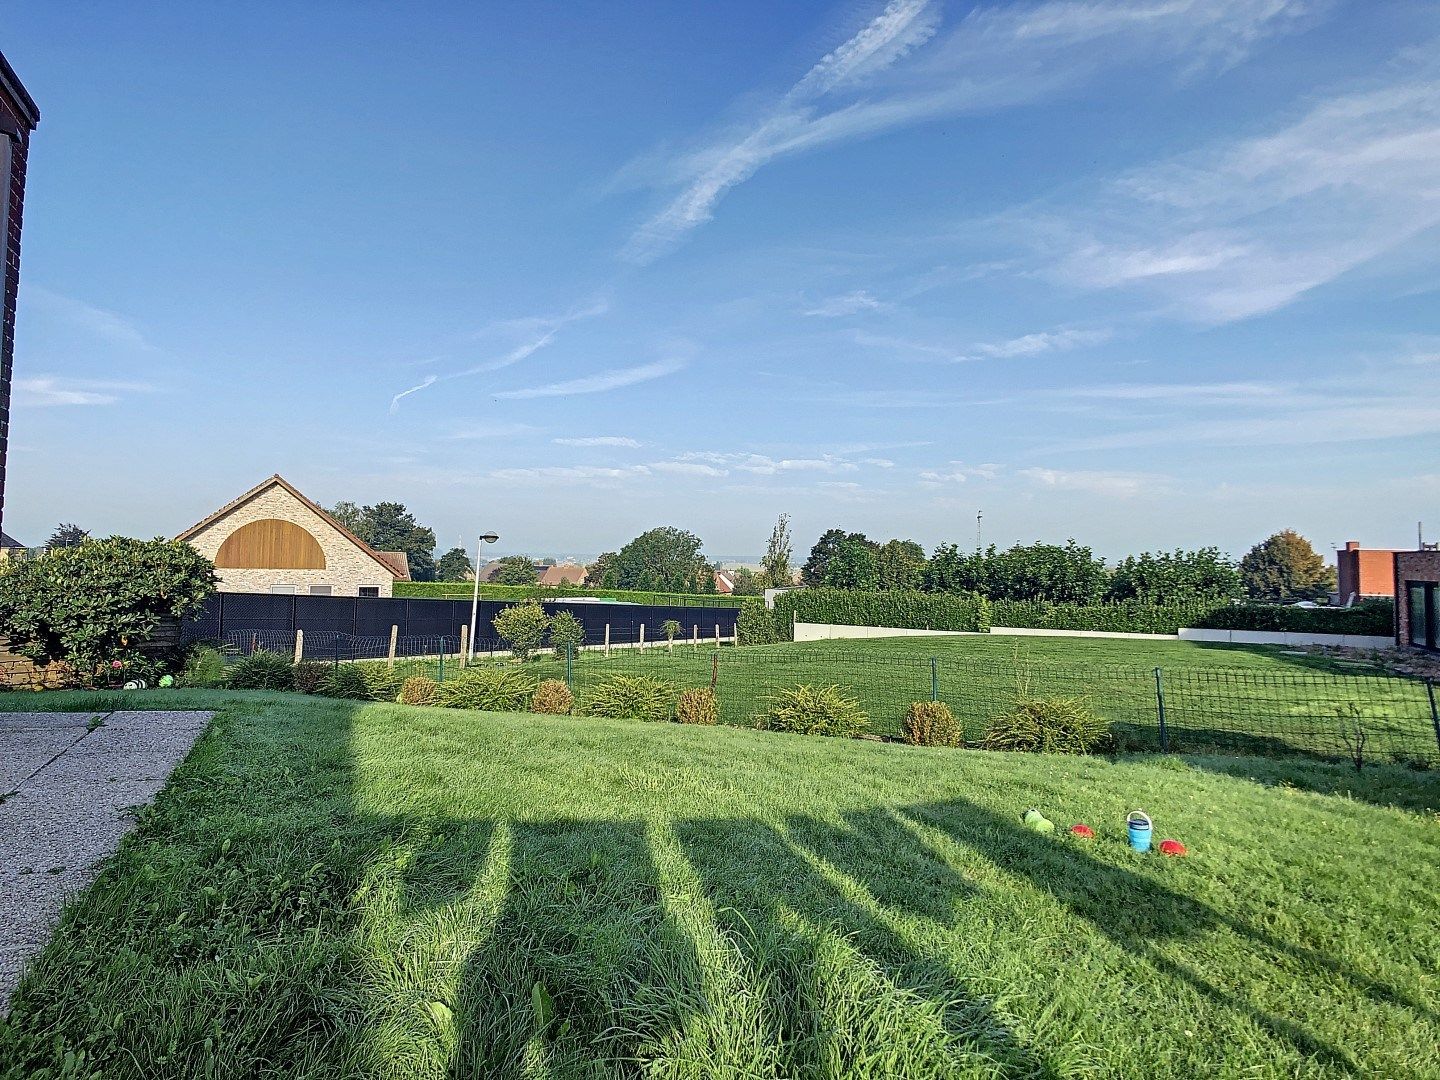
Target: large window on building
{"x": 1420, "y": 602}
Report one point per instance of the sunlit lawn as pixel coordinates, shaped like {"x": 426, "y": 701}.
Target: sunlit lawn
{"x": 335, "y": 889}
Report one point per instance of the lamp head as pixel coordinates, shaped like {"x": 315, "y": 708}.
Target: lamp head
{"x": 489, "y": 538}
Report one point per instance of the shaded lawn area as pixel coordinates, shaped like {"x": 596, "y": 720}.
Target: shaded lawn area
{"x": 335, "y": 889}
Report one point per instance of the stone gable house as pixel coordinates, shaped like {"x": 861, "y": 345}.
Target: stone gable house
{"x": 273, "y": 539}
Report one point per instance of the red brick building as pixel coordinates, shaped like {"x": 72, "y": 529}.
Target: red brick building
{"x": 18, "y": 117}
{"x": 1362, "y": 572}
{"x": 1417, "y": 599}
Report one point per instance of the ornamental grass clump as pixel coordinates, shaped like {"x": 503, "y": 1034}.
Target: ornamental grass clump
{"x": 1053, "y": 725}
{"x": 490, "y": 688}
{"x": 815, "y": 710}
{"x": 697, "y": 705}
{"x": 262, "y": 671}
{"x": 553, "y": 698}
{"x": 418, "y": 690}
{"x": 637, "y": 697}
{"x": 310, "y": 675}
{"x": 348, "y": 682}
{"x": 931, "y": 723}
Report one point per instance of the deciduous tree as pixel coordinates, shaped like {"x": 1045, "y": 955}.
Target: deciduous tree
{"x": 1285, "y": 567}
{"x": 515, "y": 570}
{"x": 454, "y": 565}
{"x": 666, "y": 559}
{"x": 775, "y": 566}
{"x": 900, "y": 564}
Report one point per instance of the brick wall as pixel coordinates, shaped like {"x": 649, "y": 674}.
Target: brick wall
{"x": 1364, "y": 571}
{"x": 20, "y": 111}
{"x": 346, "y": 566}
{"x": 1411, "y": 566}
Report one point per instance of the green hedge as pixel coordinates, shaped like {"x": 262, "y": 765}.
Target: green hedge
{"x": 1123, "y": 618}
{"x": 1375, "y": 618}
{"x": 462, "y": 590}
{"x": 899, "y": 608}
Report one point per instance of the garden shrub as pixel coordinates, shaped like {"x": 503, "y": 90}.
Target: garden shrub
{"x": 931, "y": 723}
{"x": 1055, "y": 725}
{"x": 418, "y": 690}
{"x": 815, "y": 710}
{"x": 382, "y": 681}
{"x": 756, "y": 626}
{"x": 1374, "y": 618}
{"x": 489, "y": 688}
{"x": 346, "y": 681}
{"x": 900, "y": 608}
{"x": 553, "y": 697}
{"x": 309, "y": 675}
{"x": 523, "y": 625}
{"x": 262, "y": 671}
{"x": 567, "y": 634}
{"x": 204, "y": 668}
{"x": 635, "y": 696}
{"x": 697, "y": 705}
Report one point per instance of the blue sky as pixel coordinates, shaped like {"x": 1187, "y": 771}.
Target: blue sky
{"x": 1148, "y": 273}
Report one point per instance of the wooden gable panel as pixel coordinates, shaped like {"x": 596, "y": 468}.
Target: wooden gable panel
{"x": 270, "y": 544}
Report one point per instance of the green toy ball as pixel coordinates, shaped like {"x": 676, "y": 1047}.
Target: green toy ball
{"x": 167, "y": 680}
{"x": 1033, "y": 819}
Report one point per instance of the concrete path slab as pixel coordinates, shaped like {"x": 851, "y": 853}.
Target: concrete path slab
{"x": 69, "y": 787}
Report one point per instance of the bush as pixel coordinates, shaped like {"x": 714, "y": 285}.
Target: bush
{"x": 756, "y": 626}
{"x": 204, "y": 668}
{"x": 697, "y": 705}
{"x": 931, "y": 723}
{"x": 815, "y": 710}
{"x": 1370, "y": 617}
{"x": 418, "y": 690}
{"x": 381, "y": 681}
{"x": 901, "y": 608}
{"x": 98, "y": 602}
{"x": 346, "y": 681}
{"x": 262, "y": 671}
{"x": 309, "y": 676}
{"x": 524, "y": 626}
{"x": 1057, "y": 725}
{"x": 552, "y": 697}
{"x": 490, "y": 688}
{"x": 1124, "y": 617}
{"x": 635, "y": 696}
{"x": 567, "y": 634}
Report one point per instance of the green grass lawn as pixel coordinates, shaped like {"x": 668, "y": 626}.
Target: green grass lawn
{"x": 1218, "y": 698}
{"x": 337, "y": 889}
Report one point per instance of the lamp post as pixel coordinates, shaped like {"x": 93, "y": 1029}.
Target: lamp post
{"x": 484, "y": 538}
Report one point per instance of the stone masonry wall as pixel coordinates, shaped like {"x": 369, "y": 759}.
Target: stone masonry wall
{"x": 346, "y": 566}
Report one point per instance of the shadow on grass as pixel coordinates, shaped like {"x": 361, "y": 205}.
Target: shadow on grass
{"x": 1379, "y": 785}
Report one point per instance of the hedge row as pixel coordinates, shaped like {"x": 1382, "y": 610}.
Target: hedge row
{"x": 907, "y": 609}
{"x": 899, "y": 608}
{"x": 461, "y": 590}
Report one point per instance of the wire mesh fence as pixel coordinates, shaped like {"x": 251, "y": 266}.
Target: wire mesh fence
{"x": 1330, "y": 717}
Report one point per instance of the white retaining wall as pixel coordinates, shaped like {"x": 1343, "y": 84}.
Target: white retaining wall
{"x": 1030, "y": 631}
{"x": 805, "y": 631}
{"x": 835, "y": 631}
{"x": 1278, "y": 637}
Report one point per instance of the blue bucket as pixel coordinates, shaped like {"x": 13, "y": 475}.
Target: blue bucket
{"x": 1138, "y": 825}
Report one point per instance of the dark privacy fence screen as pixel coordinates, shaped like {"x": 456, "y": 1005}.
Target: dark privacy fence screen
{"x": 226, "y": 614}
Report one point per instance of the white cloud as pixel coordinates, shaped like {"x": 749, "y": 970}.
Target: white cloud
{"x": 44, "y": 391}
{"x": 1119, "y": 485}
{"x": 761, "y": 465}
{"x": 598, "y": 383}
{"x": 957, "y": 472}
{"x": 897, "y": 71}
{"x": 1251, "y": 225}
{"x": 599, "y": 440}
{"x": 107, "y": 326}
{"x": 494, "y": 431}
{"x": 1022, "y": 347}
{"x": 850, "y": 303}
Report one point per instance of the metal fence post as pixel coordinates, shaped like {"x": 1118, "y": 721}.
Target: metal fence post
{"x": 570, "y": 665}
{"x": 934, "y": 679}
{"x": 1160, "y": 712}
{"x": 1434, "y": 712}
{"x": 336, "y": 651}
{"x": 442, "y": 661}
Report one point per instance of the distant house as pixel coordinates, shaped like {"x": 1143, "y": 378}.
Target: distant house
{"x": 1361, "y": 573}
{"x": 1417, "y": 599}
{"x": 10, "y": 548}
{"x": 556, "y": 575}
{"x": 273, "y": 539}
{"x": 724, "y": 582}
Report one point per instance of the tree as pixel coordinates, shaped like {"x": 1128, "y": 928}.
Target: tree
{"x": 454, "y": 566}
{"x": 1175, "y": 576}
{"x": 853, "y": 566}
{"x": 1285, "y": 568}
{"x": 95, "y": 605}
{"x": 567, "y": 634}
{"x": 600, "y": 569}
{"x": 661, "y": 560}
{"x": 388, "y": 526}
{"x": 816, "y": 570}
{"x": 66, "y": 536}
{"x": 1062, "y": 575}
{"x": 950, "y": 570}
{"x": 747, "y": 581}
{"x": 524, "y": 626}
{"x": 775, "y": 572}
{"x": 900, "y": 564}
{"x": 515, "y": 570}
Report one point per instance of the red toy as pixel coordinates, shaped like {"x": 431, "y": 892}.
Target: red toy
{"x": 1172, "y": 847}
{"x": 1082, "y": 832}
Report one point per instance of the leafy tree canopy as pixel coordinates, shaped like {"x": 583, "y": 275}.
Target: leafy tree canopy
{"x": 1175, "y": 576}
{"x": 388, "y": 526}
{"x": 816, "y": 571}
{"x": 94, "y": 604}
{"x": 748, "y": 582}
{"x": 515, "y": 570}
{"x": 1285, "y": 567}
{"x": 454, "y": 565}
{"x": 661, "y": 560}
{"x": 67, "y": 535}
{"x": 900, "y": 564}
{"x": 775, "y": 569}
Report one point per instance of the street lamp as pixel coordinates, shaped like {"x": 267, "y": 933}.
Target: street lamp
{"x": 484, "y": 538}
